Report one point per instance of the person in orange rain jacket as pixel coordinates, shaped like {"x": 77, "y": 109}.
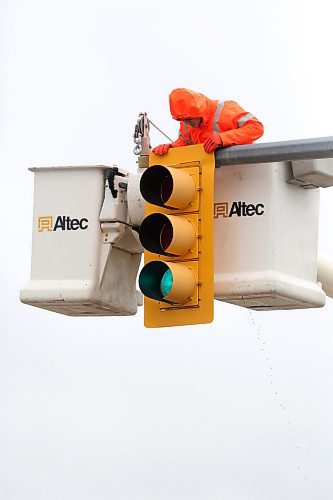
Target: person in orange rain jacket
{"x": 209, "y": 122}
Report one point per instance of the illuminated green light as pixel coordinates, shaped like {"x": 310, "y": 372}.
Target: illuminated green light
{"x": 155, "y": 280}
{"x": 166, "y": 283}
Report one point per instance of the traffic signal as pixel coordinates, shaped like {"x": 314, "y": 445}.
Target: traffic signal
{"x": 177, "y": 279}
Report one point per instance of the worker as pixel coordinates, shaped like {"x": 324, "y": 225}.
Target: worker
{"x": 213, "y": 123}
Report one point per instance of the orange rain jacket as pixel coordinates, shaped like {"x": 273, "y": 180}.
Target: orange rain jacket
{"x": 227, "y": 118}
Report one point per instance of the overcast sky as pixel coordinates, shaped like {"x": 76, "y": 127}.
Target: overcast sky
{"x": 101, "y": 408}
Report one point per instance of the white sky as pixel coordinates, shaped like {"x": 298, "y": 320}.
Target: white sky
{"x": 100, "y": 408}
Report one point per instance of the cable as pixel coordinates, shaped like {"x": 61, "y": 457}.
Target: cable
{"x": 153, "y": 124}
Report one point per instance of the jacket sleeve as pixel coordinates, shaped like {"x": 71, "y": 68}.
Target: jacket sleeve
{"x": 179, "y": 143}
{"x": 244, "y": 127}
{"x": 184, "y": 138}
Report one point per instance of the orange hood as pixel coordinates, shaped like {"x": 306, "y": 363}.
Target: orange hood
{"x": 185, "y": 103}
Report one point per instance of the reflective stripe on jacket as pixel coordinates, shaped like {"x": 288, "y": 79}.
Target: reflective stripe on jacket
{"x": 227, "y": 118}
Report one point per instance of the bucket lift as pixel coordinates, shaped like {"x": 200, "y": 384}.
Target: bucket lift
{"x": 267, "y": 258}
{"x": 86, "y": 250}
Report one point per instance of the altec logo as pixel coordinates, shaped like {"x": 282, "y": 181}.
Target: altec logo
{"x": 238, "y": 208}
{"x": 62, "y": 223}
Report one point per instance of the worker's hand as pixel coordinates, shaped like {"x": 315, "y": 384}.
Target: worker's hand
{"x": 162, "y": 149}
{"x": 212, "y": 142}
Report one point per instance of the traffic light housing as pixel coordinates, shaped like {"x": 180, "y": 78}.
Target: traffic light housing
{"x": 177, "y": 279}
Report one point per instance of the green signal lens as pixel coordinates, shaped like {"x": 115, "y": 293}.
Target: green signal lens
{"x": 166, "y": 283}
{"x": 156, "y": 280}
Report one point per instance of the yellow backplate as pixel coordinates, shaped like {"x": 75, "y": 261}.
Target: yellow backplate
{"x": 202, "y": 166}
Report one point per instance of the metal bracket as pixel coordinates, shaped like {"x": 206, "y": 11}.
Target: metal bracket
{"x": 110, "y": 174}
